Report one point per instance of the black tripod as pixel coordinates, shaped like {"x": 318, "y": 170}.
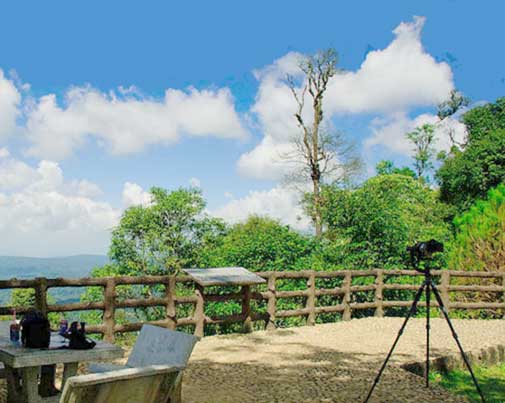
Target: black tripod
{"x": 427, "y": 286}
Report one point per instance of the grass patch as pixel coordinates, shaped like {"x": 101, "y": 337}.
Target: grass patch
{"x": 491, "y": 380}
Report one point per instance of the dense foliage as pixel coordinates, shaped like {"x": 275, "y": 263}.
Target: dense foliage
{"x": 376, "y": 222}
{"x": 165, "y": 236}
{"x": 468, "y": 173}
{"x": 480, "y": 238}
{"x": 260, "y": 244}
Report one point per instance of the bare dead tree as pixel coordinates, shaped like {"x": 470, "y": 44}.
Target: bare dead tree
{"x": 320, "y": 154}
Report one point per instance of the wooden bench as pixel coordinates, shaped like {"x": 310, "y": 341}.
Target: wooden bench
{"x": 156, "y": 346}
{"x": 152, "y": 384}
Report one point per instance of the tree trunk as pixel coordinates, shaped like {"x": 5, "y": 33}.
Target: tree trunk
{"x": 317, "y": 208}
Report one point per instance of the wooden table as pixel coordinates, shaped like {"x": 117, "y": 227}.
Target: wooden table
{"x": 23, "y": 365}
{"x": 223, "y": 276}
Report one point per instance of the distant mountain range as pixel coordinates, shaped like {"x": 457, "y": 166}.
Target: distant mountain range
{"x": 68, "y": 266}
{"x": 30, "y": 267}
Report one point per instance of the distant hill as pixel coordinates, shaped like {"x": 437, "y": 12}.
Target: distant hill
{"x": 30, "y": 267}
{"x": 68, "y": 266}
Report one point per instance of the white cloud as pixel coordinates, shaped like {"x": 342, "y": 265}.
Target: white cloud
{"x": 397, "y": 78}
{"x": 134, "y": 195}
{"x": 390, "y": 132}
{"x": 126, "y": 122}
{"x": 41, "y": 214}
{"x": 279, "y": 202}
{"x": 10, "y": 99}
{"x": 390, "y": 82}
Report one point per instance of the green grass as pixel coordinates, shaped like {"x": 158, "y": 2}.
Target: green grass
{"x": 491, "y": 380}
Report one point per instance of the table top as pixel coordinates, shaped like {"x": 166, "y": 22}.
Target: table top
{"x": 17, "y": 356}
{"x": 224, "y": 276}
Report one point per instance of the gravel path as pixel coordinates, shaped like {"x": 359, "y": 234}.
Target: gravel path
{"x": 334, "y": 362}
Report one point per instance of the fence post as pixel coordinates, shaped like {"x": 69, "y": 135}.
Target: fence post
{"x": 272, "y": 302}
{"x": 347, "y": 296}
{"x": 170, "y": 311}
{"x": 109, "y": 320}
{"x": 246, "y": 308}
{"x": 445, "y": 281}
{"x": 379, "y": 286}
{"x": 503, "y": 295}
{"x": 199, "y": 315}
{"x": 311, "y": 299}
{"x": 41, "y": 295}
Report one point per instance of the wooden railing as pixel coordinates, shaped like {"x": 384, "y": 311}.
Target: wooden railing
{"x": 344, "y": 296}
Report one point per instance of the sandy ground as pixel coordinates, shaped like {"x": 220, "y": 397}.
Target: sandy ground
{"x": 334, "y": 362}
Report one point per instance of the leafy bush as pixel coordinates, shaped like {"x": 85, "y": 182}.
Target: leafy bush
{"x": 373, "y": 224}
{"x": 480, "y": 235}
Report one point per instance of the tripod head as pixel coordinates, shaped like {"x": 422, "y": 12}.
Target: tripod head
{"x": 423, "y": 251}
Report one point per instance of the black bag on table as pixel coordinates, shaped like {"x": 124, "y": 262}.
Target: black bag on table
{"x": 35, "y": 330}
{"x": 77, "y": 338}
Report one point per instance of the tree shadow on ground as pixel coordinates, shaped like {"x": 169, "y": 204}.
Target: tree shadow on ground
{"x": 311, "y": 375}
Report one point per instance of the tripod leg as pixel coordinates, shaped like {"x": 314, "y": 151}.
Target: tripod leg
{"x": 411, "y": 312}
{"x": 427, "y": 373}
{"x": 455, "y": 336}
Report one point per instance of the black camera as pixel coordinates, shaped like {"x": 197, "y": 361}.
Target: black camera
{"x": 424, "y": 250}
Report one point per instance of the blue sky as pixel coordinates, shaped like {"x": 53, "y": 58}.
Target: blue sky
{"x": 100, "y": 101}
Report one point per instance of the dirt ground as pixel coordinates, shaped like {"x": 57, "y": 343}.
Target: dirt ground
{"x": 334, "y": 362}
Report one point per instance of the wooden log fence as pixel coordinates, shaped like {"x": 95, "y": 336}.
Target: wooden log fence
{"x": 343, "y": 297}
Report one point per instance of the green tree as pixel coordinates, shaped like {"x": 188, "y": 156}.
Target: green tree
{"x": 374, "y": 223}
{"x": 165, "y": 236}
{"x": 480, "y": 235}
{"x": 386, "y": 167}
{"x": 469, "y": 174}
{"x": 423, "y": 137}
{"x": 259, "y": 244}
{"x": 484, "y": 119}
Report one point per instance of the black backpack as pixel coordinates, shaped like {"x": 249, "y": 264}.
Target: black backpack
{"x": 35, "y": 330}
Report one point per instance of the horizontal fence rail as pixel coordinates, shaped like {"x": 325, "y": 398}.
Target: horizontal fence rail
{"x": 344, "y": 297}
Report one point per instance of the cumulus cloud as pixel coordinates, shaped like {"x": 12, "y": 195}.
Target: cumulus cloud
{"x": 126, "y": 122}
{"x": 134, "y": 195}
{"x": 41, "y": 214}
{"x": 10, "y": 99}
{"x": 390, "y": 132}
{"x": 396, "y": 78}
{"x": 279, "y": 202}
{"x": 389, "y": 82}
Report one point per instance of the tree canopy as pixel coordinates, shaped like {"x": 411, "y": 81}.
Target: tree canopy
{"x": 469, "y": 174}
{"x": 378, "y": 220}
{"x": 165, "y": 236}
{"x": 259, "y": 244}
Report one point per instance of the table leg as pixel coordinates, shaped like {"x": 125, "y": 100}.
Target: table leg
{"x": 29, "y": 389}
{"x": 47, "y": 375}
{"x": 70, "y": 369}
{"x": 13, "y": 384}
